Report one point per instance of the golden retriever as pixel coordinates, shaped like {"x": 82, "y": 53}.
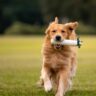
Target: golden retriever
{"x": 59, "y": 61}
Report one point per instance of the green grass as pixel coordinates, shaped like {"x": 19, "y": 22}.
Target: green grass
{"x": 20, "y": 64}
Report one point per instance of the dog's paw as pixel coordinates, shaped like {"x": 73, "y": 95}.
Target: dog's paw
{"x": 40, "y": 83}
{"x": 59, "y": 94}
{"x": 48, "y": 86}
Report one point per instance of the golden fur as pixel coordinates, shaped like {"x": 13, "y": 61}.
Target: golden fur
{"x": 59, "y": 64}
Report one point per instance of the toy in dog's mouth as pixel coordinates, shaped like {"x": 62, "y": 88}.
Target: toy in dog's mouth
{"x": 60, "y": 44}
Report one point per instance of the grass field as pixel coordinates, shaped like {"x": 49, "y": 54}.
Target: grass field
{"x": 20, "y": 64}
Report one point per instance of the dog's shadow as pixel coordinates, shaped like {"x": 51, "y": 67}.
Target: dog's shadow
{"x": 70, "y": 93}
{"x": 81, "y": 93}
{"x": 74, "y": 92}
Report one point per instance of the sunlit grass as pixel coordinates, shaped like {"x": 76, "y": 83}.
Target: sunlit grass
{"x": 20, "y": 64}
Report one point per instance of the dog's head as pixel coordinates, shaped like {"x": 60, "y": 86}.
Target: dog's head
{"x": 59, "y": 32}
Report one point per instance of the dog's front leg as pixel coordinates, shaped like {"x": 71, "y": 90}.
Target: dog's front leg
{"x": 45, "y": 75}
{"x": 73, "y": 66}
{"x": 63, "y": 83}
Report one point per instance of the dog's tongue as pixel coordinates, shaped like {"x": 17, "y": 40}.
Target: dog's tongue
{"x": 58, "y": 46}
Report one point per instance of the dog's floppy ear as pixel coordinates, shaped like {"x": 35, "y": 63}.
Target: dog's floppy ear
{"x": 72, "y": 26}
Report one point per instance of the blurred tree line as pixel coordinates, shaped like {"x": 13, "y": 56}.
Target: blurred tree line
{"x": 40, "y": 12}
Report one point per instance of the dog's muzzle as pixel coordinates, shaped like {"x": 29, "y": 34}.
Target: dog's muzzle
{"x": 58, "y": 44}
{"x": 58, "y": 38}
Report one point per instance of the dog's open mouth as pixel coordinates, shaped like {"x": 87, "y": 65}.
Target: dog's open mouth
{"x": 58, "y": 46}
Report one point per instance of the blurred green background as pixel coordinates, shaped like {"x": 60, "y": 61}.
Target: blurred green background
{"x": 31, "y": 16}
{"x": 22, "y": 26}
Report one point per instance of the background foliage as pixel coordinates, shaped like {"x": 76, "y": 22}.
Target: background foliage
{"x": 41, "y": 12}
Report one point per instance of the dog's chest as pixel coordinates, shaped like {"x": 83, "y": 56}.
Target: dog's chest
{"x": 57, "y": 60}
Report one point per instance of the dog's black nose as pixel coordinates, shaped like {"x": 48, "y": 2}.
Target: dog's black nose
{"x": 58, "y": 38}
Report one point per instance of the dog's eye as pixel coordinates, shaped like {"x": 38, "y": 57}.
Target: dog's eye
{"x": 54, "y": 31}
{"x": 62, "y": 31}
{"x": 71, "y": 29}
